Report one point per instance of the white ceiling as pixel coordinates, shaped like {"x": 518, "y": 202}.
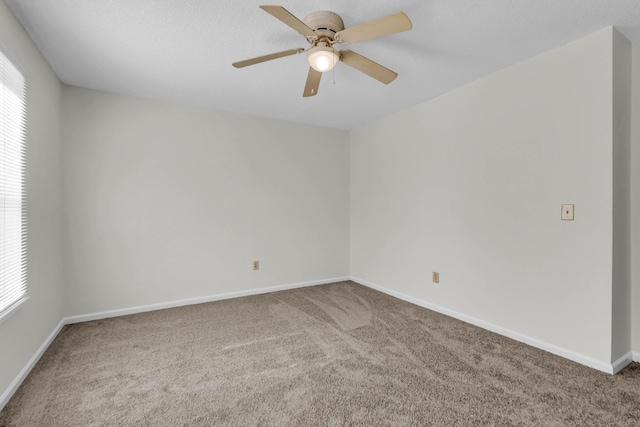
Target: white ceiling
{"x": 181, "y": 51}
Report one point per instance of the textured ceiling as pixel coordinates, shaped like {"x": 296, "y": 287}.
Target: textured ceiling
{"x": 181, "y": 51}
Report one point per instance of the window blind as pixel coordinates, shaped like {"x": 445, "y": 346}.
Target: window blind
{"x": 13, "y": 230}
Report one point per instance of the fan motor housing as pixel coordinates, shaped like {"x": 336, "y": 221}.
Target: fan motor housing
{"x": 324, "y": 23}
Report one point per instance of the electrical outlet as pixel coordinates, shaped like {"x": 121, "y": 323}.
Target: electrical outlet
{"x": 567, "y": 212}
{"x": 436, "y": 277}
{"x": 256, "y": 265}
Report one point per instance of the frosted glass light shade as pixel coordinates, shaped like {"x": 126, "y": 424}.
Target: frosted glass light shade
{"x": 322, "y": 58}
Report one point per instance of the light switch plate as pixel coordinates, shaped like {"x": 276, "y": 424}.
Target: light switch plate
{"x": 567, "y": 212}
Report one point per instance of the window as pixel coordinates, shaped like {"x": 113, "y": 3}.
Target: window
{"x": 13, "y": 230}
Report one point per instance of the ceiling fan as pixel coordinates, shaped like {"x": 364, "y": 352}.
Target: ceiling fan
{"x": 324, "y": 29}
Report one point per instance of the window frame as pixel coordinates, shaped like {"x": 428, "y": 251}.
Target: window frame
{"x": 21, "y": 146}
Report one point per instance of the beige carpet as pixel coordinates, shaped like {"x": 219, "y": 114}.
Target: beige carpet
{"x": 338, "y": 354}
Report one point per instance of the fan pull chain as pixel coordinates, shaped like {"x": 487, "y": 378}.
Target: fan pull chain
{"x": 333, "y": 71}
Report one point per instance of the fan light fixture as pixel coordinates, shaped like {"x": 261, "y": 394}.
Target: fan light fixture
{"x": 322, "y": 57}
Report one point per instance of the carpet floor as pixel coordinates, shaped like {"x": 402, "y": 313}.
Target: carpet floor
{"x": 337, "y": 354}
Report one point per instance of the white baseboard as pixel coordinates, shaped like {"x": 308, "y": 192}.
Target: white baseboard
{"x": 636, "y": 356}
{"x": 620, "y": 364}
{"x": 4, "y": 398}
{"x": 197, "y": 300}
{"x": 559, "y": 351}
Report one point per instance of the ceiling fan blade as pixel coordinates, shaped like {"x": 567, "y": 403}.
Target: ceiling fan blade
{"x": 367, "y": 66}
{"x": 265, "y": 58}
{"x": 288, "y": 18}
{"x": 313, "y": 82}
{"x": 380, "y": 27}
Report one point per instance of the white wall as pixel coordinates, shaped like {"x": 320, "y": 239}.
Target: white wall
{"x": 166, "y": 202}
{"x": 635, "y": 199}
{"x": 23, "y": 333}
{"x": 621, "y": 285}
{"x": 470, "y": 185}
